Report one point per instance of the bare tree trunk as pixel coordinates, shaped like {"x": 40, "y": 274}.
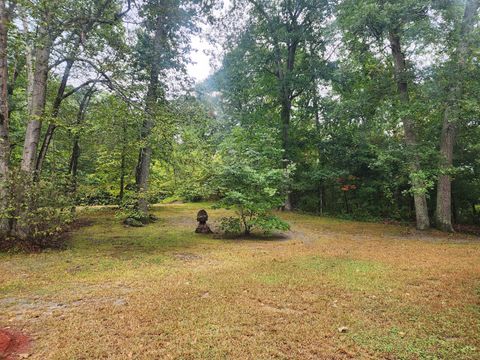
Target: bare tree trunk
{"x": 152, "y": 97}
{"x": 39, "y": 89}
{"x": 73, "y": 167}
{"x": 4, "y": 131}
{"x": 418, "y": 187}
{"x": 443, "y": 214}
{"x": 145, "y": 155}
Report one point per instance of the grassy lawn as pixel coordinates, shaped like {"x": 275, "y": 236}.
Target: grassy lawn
{"x": 164, "y": 292}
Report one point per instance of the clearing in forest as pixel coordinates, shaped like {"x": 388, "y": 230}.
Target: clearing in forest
{"x": 328, "y": 289}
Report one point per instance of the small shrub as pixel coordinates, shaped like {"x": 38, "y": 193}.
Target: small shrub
{"x": 270, "y": 223}
{"x": 39, "y": 212}
{"x": 193, "y": 192}
{"x": 251, "y": 179}
{"x": 230, "y": 225}
{"x": 93, "y": 195}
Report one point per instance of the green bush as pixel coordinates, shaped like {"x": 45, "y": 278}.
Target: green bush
{"x": 38, "y": 212}
{"x": 230, "y": 225}
{"x": 250, "y": 179}
{"x": 131, "y": 215}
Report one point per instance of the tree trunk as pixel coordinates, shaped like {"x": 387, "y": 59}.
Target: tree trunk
{"x": 123, "y": 157}
{"x": 122, "y": 179}
{"x": 39, "y": 89}
{"x": 73, "y": 167}
{"x": 152, "y": 97}
{"x": 319, "y": 149}
{"x": 4, "y": 132}
{"x": 443, "y": 212}
{"x": 143, "y": 172}
{"x": 285, "y": 120}
{"x": 320, "y": 200}
{"x": 286, "y": 109}
{"x": 28, "y": 63}
{"x": 63, "y": 84}
{"x": 55, "y": 110}
{"x": 345, "y": 198}
{"x": 17, "y": 68}
{"x": 418, "y": 187}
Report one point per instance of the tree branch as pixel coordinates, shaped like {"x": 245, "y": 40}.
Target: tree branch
{"x": 74, "y": 90}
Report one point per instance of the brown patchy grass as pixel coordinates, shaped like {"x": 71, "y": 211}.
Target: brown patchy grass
{"x": 164, "y": 292}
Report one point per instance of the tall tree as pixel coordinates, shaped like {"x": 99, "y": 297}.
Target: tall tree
{"x": 94, "y": 23}
{"x": 73, "y": 165}
{"x": 38, "y": 87}
{"x": 376, "y": 20}
{"x": 452, "y": 113}
{"x": 281, "y": 32}
{"x": 5, "y": 16}
{"x": 401, "y": 78}
{"x": 154, "y": 94}
{"x": 162, "y": 47}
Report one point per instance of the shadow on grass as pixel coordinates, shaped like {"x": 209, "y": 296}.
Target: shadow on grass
{"x": 253, "y": 237}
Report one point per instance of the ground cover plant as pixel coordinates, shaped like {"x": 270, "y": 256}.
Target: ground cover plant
{"x": 327, "y": 289}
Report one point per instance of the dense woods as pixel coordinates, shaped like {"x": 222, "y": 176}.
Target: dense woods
{"x": 360, "y": 109}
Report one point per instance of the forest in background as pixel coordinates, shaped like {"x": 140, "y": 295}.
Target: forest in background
{"x": 360, "y": 109}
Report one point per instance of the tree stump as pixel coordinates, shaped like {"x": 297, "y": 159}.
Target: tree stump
{"x": 202, "y": 227}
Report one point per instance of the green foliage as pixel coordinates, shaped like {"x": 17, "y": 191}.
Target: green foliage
{"x": 129, "y": 213}
{"x": 346, "y": 117}
{"x": 187, "y": 165}
{"x": 269, "y": 223}
{"x": 231, "y": 225}
{"x": 39, "y": 212}
{"x": 250, "y": 179}
{"x": 329, "y": 63}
